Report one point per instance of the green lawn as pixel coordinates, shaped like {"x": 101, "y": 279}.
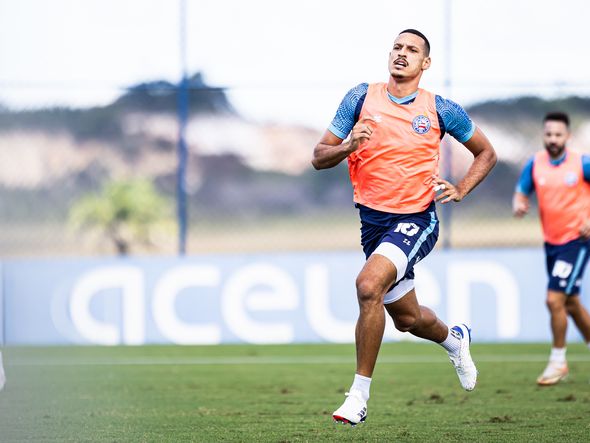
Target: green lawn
{"x": 286, "y": 394}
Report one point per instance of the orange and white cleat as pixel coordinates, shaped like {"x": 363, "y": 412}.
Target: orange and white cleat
{"x": 553, "y": 374}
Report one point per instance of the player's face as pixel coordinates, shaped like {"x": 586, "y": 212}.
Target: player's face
{"x": 555, "y": 136}
{"x": 407, "y": 58}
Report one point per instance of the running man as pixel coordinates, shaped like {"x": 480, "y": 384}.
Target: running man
{"x": 393, "y": 151}
{"x": 561, "y": 180}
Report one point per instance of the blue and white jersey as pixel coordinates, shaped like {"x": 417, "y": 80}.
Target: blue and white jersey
{"x": 452, "y": 117}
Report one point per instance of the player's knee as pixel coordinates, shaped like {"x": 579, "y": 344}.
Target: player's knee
{"x": 405, "y": 322}
{"x": 368, "y": 291}
{"x": 554, "y": 305}
{"x": 572, "y": 305}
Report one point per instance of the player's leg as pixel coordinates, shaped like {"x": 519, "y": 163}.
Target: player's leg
{"x": 375, "y": 278}
{"x": 580, "y": 315}
{"x": 372, "y": 283}
{"x": 411, "y": 240}
{"x": 573, "y": 304}
{"x": 556, "y": 305}
{"x": 409, "y": 316}
{"x": 563, "y": 268}
{"x": 556, "y": 369}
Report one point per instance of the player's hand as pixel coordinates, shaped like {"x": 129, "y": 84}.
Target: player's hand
{"x": 362, "y": 131}
{"x": 520, "y": 205}
{"x": 448, "y": 191}
{"x": 585, "y": 230}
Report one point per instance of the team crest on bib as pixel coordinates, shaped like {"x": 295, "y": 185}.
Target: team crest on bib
{"x": 421, "y": 124}
{"x": 571, "y": 178}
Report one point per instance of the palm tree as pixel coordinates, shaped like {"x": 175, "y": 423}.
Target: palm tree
{"x": 124, "y": 211}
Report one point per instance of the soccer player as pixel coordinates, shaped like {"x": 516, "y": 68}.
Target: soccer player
{"x": 393, "y": 151}
{"x": 561, "y": 180}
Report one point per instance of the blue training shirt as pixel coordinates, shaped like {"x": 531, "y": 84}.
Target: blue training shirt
{"x": 452, "y": 118}
{"x": 525, "y": 183}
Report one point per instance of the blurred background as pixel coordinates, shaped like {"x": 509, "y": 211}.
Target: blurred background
{"x": 162, "y": 127}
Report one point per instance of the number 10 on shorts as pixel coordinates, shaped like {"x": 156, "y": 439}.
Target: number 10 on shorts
{"x": 408, "y": 229}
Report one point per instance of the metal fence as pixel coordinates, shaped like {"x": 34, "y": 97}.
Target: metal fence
{"x": 169, "y": 166}
{"x": 249, "y": 186}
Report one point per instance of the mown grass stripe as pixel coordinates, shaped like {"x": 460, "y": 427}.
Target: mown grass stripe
{"x": 305, "y": 360}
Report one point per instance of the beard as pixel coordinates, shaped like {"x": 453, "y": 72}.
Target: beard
{"x": 555, "y": 150}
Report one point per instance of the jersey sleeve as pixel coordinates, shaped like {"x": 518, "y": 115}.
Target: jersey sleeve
{"x": 455, "y": 119}
{"x": 525, "y": 183}
{"x": 344, "y": 119}
{"x": 586, "y": 167}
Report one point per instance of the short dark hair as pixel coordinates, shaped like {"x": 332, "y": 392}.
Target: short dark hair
{"x": 557, "y": 117}
{"x": 419, "y": 34}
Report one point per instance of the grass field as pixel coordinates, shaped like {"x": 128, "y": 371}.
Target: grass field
{"x": 286, "y": 394}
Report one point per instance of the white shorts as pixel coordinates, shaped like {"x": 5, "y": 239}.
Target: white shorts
{"x": 399, "y": 290}
{"x": 395, "y": 255}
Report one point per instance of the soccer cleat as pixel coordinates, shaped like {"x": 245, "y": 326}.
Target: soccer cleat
{"x": 553, "y": 374}
{"x": 353, "y": 411}
{"x": 466, "y": 370}
{"x": 2, "y": 375}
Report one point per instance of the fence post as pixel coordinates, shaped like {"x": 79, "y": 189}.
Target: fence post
{"x": 183, "y": 110}
{"x": 447, "y": 172}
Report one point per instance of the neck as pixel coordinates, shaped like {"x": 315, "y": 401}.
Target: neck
{"x": 557, "y": 157}
{"x": 401, "y": 88}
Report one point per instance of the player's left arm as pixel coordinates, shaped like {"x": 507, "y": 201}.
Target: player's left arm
{"x": 457, "y": 123}
{"x": 484, "y": 159}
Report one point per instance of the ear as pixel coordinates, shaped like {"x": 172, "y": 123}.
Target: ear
{"x": 426, "y": 63}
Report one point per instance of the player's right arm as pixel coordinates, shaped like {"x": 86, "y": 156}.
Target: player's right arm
{"x": 520, "y": 204}
{"x": 525, "y": 185}
{"x": 331, "y": 149}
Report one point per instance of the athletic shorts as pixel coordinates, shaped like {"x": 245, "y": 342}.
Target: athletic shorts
{"x": 404, "y": 239}
{"x": 565, "y": 265}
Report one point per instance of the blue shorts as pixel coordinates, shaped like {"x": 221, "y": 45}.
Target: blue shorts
{"x": 404, "y": 239}
{"x": 566, "y": 264}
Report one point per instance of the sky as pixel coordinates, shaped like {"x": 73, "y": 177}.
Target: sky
{"x": 287, "y": 61}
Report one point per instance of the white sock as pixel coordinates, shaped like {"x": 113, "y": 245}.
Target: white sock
{"x": 588, "y": 344}
{"x": 361, "y": 384}
{"x": 557, "y": 355}
{"x": 452, "y": 343}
